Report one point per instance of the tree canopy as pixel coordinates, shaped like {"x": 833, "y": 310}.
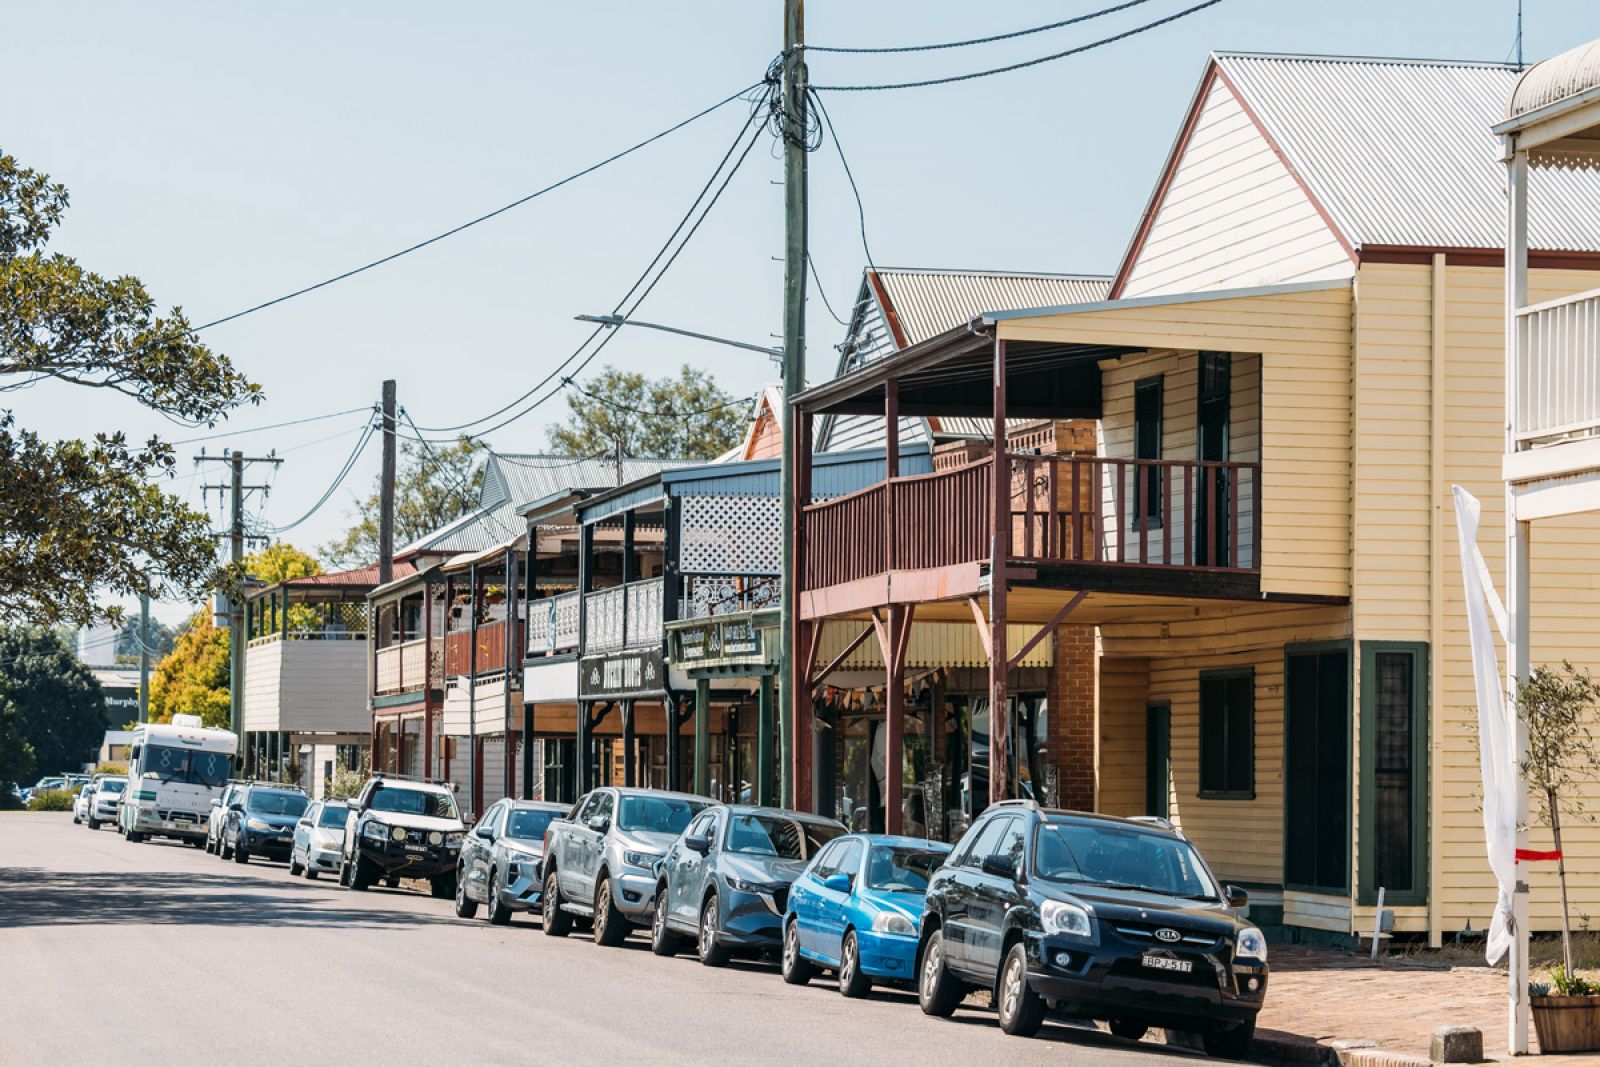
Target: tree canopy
{"x": 193, "y": 678}
{"x": 81, "y": 517}
{"x": 280, "y": 562}
{"x": 158, "y": 639}
{"x": 432, "y": 486}
{"x": 56, "y": 705}
{"x": 684, "y": 417}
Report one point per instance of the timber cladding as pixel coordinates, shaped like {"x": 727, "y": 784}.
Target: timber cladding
{"x": 1421, "y": 427}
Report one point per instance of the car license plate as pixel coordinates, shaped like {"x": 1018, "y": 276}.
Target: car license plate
{"x": 416, "y": 848}
{"x": 1165, "y": 963}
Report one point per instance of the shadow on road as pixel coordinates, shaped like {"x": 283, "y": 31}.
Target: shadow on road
{"x": 30, "y": 896}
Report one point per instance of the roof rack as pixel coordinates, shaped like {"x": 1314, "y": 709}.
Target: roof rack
{"x": 265, "y": 782}
{"x": 1021, "y": 802}
{"x": 1157, "y": 821}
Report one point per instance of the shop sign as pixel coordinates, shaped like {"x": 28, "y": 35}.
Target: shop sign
{"x": 718, "y": 640}
{"x": 621, "y": 674}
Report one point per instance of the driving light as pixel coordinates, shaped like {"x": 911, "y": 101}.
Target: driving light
{"x": 1251, "y": 945}
{"x": 435, "y": 838}
{"x": 1059, "y": 917}
{"x": 398, "y": 833}
{"x": 892, "y": 922}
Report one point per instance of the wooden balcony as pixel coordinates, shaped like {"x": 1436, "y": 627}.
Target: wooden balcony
{"x": 624, "y": 616}
{"x": 1558, "y": 372}
{"x": 402, "y": 668}
{"x": 491, "y": 649}
{"x": 553, "y": 625}
{"x": 1091, "y": 510}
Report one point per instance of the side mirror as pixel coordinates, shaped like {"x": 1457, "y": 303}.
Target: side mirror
{"x": 1236, "y": 897}
{"x": 599, "y": 823}
{"x": 485, "y": 832}
{"x": 216, "y": 802}
{"x": 304, "y": 822}
{"x": 999, "y": 864}
{"x": 236, "y": 806}
{"x": 838, "y": 883}
{"x": 697, "y": 843}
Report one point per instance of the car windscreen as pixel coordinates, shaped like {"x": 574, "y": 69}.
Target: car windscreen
{"x": 413, "y": 802}
{"x": 172, "y": 764}
{"x": 529, "y": 825}
{"x": 272, "y": 802}
{"x": 1117, "y": 857}
{"x": 902, "y": 868}
{"x": 777, "y": 835}
{"x": 113, "y": 785}
{"x": 662, "y": 815}
{"x": 334, "y": 815}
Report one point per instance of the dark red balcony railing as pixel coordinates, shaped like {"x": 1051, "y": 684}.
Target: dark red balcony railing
{"x": 1085, "y": 509}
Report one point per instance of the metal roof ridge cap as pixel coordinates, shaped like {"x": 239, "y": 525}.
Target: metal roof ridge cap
{"x": 1043, "y": 275}
{"x": 1280, "y": 288}
{"x": 1421, "y": 61}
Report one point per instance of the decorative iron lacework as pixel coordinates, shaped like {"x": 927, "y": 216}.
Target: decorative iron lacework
{"x": 720, "y": 595}
{"x": 740, "y": 535}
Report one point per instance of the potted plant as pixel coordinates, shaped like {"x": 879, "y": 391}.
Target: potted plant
{"x": 1556, "y": 708}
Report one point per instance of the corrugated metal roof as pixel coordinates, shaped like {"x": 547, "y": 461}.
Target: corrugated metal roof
{"x": 1400, "y": 152}
{"x": 928, "y": 302}
{"x": 1558, "y": 78}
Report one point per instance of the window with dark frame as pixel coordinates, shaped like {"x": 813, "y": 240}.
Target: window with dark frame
{"x": 1317, "y": 768}
{"x": 1227, "y": 734}
{"x": 1394, "y": 772}
{"x": 1147, "y": 400}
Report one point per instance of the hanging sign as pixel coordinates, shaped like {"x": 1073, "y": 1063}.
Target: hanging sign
{"x": 621, "y": 674}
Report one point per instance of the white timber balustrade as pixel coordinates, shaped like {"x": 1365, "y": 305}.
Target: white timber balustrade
{"x": 1558, "y": 371}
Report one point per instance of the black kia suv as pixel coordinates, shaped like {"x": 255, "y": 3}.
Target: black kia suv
{"x": 1094, "y": 917}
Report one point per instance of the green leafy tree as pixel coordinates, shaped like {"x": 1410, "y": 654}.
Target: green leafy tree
{"x": 682, "y": 417}
{"x": 433, "y": 486}
{"x": 1557, "y": 707}
{"x": 60, "y": 707}
{"x": 282, "y": 562}
{"x": 17, "y": 760}
{"x": 78, "y": 518}
{"x": 193, "y": 678}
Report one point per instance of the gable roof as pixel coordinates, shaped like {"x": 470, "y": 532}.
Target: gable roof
{"x": 1393, "y": 152}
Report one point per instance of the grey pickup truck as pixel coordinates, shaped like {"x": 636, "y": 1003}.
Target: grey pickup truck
{"x": 600, "y": 861}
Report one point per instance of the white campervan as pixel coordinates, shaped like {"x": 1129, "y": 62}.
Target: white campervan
{"x": 174, "y": 771}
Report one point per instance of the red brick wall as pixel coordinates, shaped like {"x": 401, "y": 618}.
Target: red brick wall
{"x": 1073, "y": 700}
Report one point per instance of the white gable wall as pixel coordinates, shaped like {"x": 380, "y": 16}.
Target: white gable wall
{"x": 1233, "y": 215}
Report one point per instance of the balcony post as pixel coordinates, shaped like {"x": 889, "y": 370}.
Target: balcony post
{"x": 764, "y": 739}
{"x": 891, "y": 471}
{"x": 509, "y": 665}
{"x": 628, "y": 774}
{"x": 427, "y": 679}
{"x": 671, "y": 577}
{"x": 1000, "y": 552}
{"x": 530, "y": 589}
{"x": 627, "y": 570}
{"x": 473, "y": 766}
{"x": 702, "y": 736}
{"x": 894, "y": 725}
{"x": 801, "y": 762}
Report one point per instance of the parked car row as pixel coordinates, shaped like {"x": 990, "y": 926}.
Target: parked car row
{"x": 1089, "y": 916}
{"x": 97, "y": 799}
{"x": 51, "y": 783}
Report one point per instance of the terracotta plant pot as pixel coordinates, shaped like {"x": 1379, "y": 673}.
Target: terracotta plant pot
{"x": 1567, "y": 1024}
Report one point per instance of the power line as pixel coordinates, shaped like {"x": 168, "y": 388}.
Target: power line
{"x": 981, "y": 40}
{"x": 861, "y": 211}
{"x": 1175, "y": 16}
{"x": 481, "y": 218}
{"x": 440, "y": 464}
{"x": 665, "y": 413}
{"x": 338, "y": 480}
{"x": 272, "y": 426}
{"x": 598, "y": 330}
{"x": 623, "y": 308}
{"x": 821, "y": 291}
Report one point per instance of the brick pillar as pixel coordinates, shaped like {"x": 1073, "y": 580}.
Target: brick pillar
{"x": 1074, "y": 701}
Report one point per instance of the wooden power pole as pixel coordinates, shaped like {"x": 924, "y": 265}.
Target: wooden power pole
{"x": 791, "y": 683}
{"x": 386, "y": 490}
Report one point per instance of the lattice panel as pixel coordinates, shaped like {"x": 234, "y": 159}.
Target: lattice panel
{"x": 731, "y": 535}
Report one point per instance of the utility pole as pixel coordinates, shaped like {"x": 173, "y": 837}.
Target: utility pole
{"x": 386, "y": 492}
{"x": 794, "y": 374}
{"x": 144, "y": 655}
{"x": 237, "y": 462}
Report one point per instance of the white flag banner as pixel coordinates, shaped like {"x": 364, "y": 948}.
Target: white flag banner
{"x": 1495, "y": 739}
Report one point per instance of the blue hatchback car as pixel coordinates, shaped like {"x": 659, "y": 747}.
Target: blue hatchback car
{"x": 856, "y": 910}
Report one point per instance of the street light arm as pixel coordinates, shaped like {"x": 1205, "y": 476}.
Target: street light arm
{"x": 618, "y": 320}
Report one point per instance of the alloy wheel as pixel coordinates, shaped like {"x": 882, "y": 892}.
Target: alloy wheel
{"x": 1011, "y": 990}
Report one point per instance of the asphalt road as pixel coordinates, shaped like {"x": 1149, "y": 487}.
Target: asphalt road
{"x": 160, "y": 954}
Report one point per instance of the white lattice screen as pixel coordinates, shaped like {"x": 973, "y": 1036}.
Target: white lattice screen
{"x": 731, "y": 535}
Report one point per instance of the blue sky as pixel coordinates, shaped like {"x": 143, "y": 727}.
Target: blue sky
{"x": 229, "y": 152}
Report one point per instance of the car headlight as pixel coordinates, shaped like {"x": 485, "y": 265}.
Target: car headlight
{"x": 742, "y": 886}
{"x": 1059, "y": 917}
{"x": 376, "y": 830}
{"x": 646, "y": 860}
{"x": 892, "y": 922}
{"x": 435, "y": 838}
{"x": 454, "y": 840}
{"x": 257, "y": 824}
{"x": 1251, "y": 945}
